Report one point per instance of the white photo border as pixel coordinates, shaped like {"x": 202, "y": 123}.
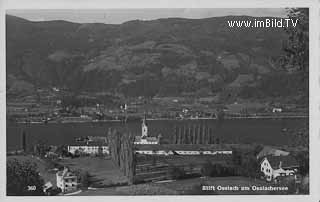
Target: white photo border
{"x": 314, "y": 91}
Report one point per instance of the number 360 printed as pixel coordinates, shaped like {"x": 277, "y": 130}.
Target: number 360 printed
{"x": 32, "y": 188}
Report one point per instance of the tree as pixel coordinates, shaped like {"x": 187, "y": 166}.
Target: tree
{"x": 216, "y": 170}
{"x": 206, "y": 170}
{"x": 100, "y": 151}
{"x": 236, "y": 157}
{"x": 62, "y": 150}
{"x": 304, "y": 186}
{"x": 23, "y": 179}
{"x": 299, "y": 137}
{"x": 257, "y": 149}
{"x": 24, "y": 141}
{"x": 77, "y": 153}
{"x": 297, "y": 45}
{"x": 83, "y": 178}
{"x": 246, "y": 163}
{"x": 249, "y": 166}
{"x": 41, "y": 148}
{"x": 303, "y": 160}
{"x": 70, "y": 101}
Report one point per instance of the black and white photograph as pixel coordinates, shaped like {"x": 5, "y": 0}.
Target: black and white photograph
{"x": 157, "y": 101}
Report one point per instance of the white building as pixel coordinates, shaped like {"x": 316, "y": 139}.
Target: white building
{"x": 275, "y": 110}
{"x": 182, "y": 152}
{"x": 66, "y": 180}
{"x": 89, "y": 148}
{"x": 144, "y": 152}
{"x": 278, "y": 166}
{"x": 225, "y": 152}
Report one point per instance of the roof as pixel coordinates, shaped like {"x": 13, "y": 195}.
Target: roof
{"x": 99, "y": 143}
{"x": 97, "y": 138}
{"x": 150, "y": 139}
{"x": 65, "y": 173}
{"x": 185, "y": 147}
{"x": 285, "y": 161}
{"x": 76, "y": 118}
{"x": 266, "y": 151}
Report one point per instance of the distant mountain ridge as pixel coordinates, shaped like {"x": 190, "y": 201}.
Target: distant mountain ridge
{"x": 157, "y": 57}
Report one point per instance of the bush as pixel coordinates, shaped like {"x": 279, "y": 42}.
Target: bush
{"x": 21, "y": 176}
{"x": 53, "y": 191}
{"x": 246, "y": 163}
{"x": 303, "y": 160}
{"x": 304, "y": 186}
{"x": 206, "y": 170}
{"x": 83, "y": 178}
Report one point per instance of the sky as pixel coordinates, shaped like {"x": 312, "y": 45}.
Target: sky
{"x": 118, "y": 16}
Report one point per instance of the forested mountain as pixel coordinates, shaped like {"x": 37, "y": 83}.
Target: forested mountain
{"x": 161, "y": 57}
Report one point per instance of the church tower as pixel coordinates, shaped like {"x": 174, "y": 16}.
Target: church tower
{"x": 144, "y": 128}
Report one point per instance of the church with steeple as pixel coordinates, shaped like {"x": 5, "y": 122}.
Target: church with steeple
{"x": 144, "y": 128}
{"x": 144, "y": 138}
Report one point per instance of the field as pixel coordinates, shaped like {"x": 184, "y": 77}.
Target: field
{"x": 102, "y": 171}
{"x": 155, "y": 168}
{"x": 181, "y": 187}
{"x": 186, "y": 147}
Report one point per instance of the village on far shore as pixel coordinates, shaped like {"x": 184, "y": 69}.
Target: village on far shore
{"x": 55, "y": 105}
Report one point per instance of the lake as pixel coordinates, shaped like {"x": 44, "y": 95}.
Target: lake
{"x": 261, "y": 131}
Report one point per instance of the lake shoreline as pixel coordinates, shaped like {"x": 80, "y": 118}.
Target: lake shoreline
{"x": 170, "y": 119}
{"x": 270, "y": 131}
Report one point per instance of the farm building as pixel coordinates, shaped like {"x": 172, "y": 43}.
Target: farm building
{"x": 275, "y": 110}
{"x": 160, "y": 152}
{"x": 278, "y": 166}
{"x": 146, "y": 140}
{"x": 183, "y": 149}
{"x": 89, "y": 148}
{"x": 92, "y": 139}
